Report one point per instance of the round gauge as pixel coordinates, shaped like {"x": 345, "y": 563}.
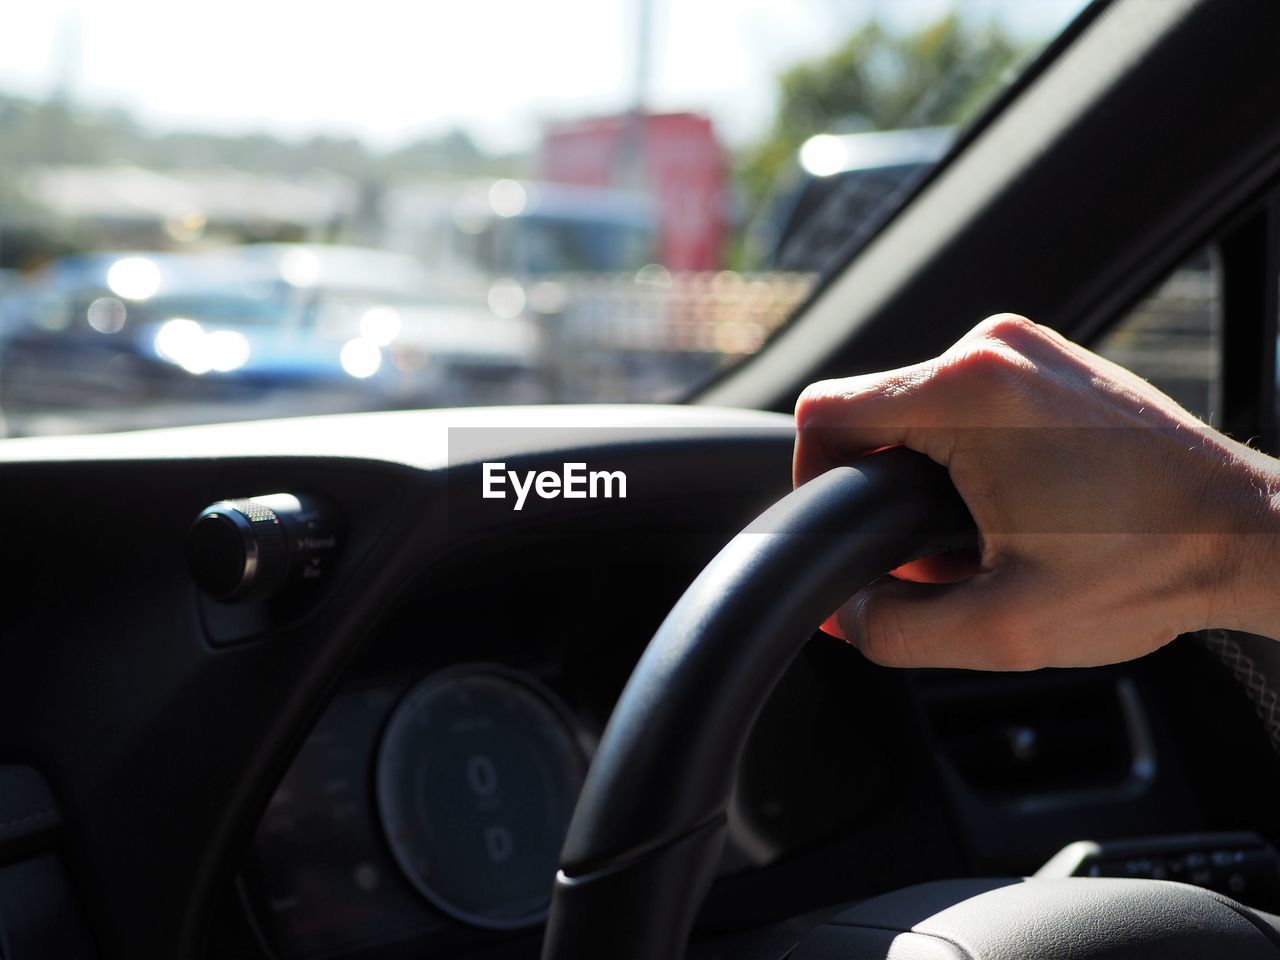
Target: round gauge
{"x": 478, "y": 774}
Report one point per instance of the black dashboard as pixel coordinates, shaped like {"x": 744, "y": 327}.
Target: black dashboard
{"x": 381, "y": 765}
{"x": 856, "y": 779}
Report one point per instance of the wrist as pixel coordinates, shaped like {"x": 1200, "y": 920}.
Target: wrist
{"x": 1244, "y": 592}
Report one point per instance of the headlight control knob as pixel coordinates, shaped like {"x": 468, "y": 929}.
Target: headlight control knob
{"x": 248, "y": 549}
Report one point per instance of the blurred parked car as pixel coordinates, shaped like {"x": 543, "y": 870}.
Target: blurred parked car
{"x": 425, "y": 343}
{"x": 89, "y": 325}
{"x": 841, "y": 189}
{"x": 487, "y": 229}
{"x": 362, "y": 327}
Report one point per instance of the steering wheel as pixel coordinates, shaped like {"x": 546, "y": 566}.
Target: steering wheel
{"x": 650, "y": 822}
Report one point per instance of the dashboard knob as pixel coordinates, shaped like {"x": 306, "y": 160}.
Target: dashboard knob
{"x": 248, "y": 549}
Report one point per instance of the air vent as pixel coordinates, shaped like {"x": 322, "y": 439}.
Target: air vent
{"x": 1032, "y": 740}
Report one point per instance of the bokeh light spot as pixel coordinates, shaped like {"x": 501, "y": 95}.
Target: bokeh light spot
{"x": 360, "y": 358}
{"x": 107, "y": 315}
{"x": 134, "y": 278}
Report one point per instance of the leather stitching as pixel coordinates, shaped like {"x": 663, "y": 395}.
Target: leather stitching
{"x": 1261, "y": 691}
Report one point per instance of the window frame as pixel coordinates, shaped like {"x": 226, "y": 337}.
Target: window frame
{"x": 1249, "y": 255}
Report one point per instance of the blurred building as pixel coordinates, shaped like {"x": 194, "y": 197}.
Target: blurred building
{"x": 123, "y": 206}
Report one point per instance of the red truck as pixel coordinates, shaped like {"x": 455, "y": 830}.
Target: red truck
{"x": 673, "y": 157}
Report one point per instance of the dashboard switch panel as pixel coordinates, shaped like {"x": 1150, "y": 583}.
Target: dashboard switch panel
{"x": 1241, "y": 865}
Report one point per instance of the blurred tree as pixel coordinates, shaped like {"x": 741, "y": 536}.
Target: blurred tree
{"x": 35, "y": 134}
{"x": 452, "y": 153}
{"x": 881, "y": 80}
{"x": 58, "y": 131}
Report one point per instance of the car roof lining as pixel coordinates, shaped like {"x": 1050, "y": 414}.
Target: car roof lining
{"x": 1033, "y": 215}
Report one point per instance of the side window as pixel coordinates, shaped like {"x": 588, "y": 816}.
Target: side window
{"x": 1173, "y": 338}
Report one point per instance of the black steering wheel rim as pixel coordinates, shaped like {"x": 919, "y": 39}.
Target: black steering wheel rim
{"x": 649, "y": 824}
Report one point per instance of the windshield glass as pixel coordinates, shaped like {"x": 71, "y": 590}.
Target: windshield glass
{"x": 265, "y": 210}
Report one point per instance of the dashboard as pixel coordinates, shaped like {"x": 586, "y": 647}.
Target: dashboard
{"x": 382, "y": 762}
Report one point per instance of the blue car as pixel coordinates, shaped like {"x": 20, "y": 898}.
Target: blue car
{"x": 298, "y": 322}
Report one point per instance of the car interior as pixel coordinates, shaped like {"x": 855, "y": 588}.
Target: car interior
{"x": 234, "y": 656}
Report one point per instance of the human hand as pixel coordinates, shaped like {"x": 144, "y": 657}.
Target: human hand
{"x": 1110, "y": 519}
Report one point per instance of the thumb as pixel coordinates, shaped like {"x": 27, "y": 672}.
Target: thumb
{"x": 980, "y": 623}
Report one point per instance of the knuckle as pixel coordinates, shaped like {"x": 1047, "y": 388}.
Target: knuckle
{"x": 1010, "y": 328}
{"x": 988, "y": 362}
{"x": 982, "y": 360}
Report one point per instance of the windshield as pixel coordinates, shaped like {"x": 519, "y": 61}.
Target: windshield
{"x": 266, "y": 210}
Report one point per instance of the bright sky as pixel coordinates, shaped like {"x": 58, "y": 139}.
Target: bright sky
{"x": 390, "y": 70}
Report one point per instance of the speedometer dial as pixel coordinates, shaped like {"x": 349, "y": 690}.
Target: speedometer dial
{"x": 478, "y": 773}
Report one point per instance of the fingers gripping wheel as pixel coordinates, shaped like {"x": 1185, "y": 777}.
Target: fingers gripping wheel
{"x": 647, "y": 831}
